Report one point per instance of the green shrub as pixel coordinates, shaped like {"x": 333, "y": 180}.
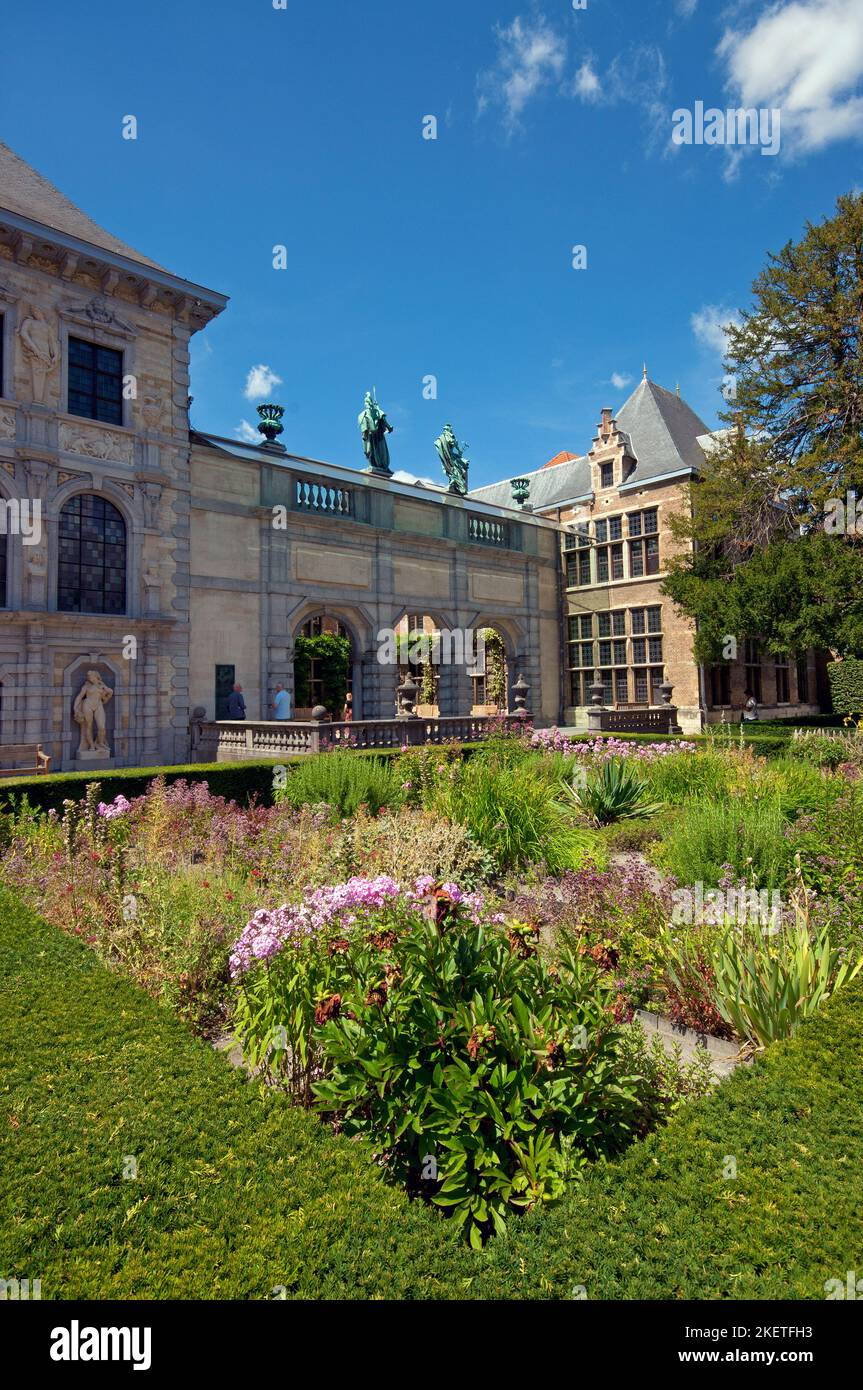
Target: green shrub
{"x": 681, "y": 776}
{"x": 609, "y": 793}
{"x": 748, "y": 836}
{"x": 846, "y": 685}
{"x": 484, "y": 1078}
{"x": 342, "y": 781}
{"x": 512, "y": 813}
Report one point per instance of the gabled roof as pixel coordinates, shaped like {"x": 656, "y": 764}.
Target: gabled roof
{"x": 663, "y": 432}
{"x": 658, "y": 429}
{"x": 26, "y": 193}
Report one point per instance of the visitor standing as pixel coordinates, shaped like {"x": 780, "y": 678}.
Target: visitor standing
{"x": 282, "y": 703}
{"x": 750, "y": 708}
{"x": 236, "y": 703}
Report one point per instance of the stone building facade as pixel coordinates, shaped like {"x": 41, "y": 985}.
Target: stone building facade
{"x": 172, "y": 563}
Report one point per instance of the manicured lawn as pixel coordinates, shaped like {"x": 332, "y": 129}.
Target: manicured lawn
{"x": 237, "y": 1195}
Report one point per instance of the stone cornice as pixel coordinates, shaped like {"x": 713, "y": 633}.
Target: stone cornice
{"x": 185, "y": 298}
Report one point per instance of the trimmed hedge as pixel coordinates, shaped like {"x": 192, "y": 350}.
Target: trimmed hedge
{"x": 238, "y": 1194}
{"x": 846, "y": 685}
{"x": 235, "y": 781}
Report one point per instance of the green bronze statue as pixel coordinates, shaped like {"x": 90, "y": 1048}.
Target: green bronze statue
{"x": 451, "y": 455}
{"x": 374, "y": 428}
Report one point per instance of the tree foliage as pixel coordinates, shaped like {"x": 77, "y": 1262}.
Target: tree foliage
{"x": 755, "y": 559}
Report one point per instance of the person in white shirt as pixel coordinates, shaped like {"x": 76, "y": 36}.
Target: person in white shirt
{"x": 282, "y": 703}
{"x": 750, "y": 707}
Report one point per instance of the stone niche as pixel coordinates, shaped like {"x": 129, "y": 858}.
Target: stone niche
{"x": 81, "y": 760}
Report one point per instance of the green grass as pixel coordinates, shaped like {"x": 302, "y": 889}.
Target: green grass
{"x": 237, "y": 1195}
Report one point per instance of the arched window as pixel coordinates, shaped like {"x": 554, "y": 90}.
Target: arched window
{"x": 91, "y": 573}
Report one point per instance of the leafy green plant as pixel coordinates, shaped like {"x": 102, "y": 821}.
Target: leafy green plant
{"x": 483, "y": 1077}
{"x": 611, "y": 792}
{"x": 512, "y": 813}
{"x": 748, "y": 836}
{"x": 341, "y": 781}
{"x": 331, "y": 654}
{"x": 766, "y": 986}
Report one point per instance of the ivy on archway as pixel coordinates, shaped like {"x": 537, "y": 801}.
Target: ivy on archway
{"x": 332, "y": 655}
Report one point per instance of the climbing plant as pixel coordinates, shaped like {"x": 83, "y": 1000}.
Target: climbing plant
{"x": 332, "y": 657}
{"x": 495, "y": 668}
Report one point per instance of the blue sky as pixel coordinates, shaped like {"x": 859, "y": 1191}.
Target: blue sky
{"x": 452, "y": 258}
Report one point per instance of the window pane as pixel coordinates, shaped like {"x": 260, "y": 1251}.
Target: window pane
{"x": 636, "y": 559}
{"x": 621, "y": 687}
{"x": 641, "y": 687}
{"x": 652, "y": 559}
{"x": 654, "y": 620}
{"x": 639, "y": 650}
{"x": 617, "y": 562}
{"x": 586, "y": 625}
{"x": 619, "y": 623}
{"x": 650, "y": 518}
{"x": 605, "y": 653}
{"x": 604, "y": 624}
{"x": 620, "y": 653}
{"x": 637, "y": 619}
{"x": 602, "y": 566}
{"x": 615, "y": 527}
{"x": 634, "y": 522}
{"x": 602, "y": 530}
{"x": 91, "y": 573}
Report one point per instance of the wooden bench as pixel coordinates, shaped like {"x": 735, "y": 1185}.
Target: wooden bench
{"x": 26, "y": 759}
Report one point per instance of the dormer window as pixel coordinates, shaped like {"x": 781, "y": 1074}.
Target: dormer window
{"x": 606, "y": 475}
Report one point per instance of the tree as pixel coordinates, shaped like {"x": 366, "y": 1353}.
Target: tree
{"x": 756, "y": 559}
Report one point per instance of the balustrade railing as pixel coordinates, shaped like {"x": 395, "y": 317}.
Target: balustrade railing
{"x": 323, "y": 497}
{"x": 242, "y": 740}
{"x": 486, "y": 531}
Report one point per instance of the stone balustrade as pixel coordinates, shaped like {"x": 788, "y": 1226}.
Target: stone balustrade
{"x": 244, "y": 740}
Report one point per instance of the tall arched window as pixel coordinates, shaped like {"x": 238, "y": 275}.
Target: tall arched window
{"x": 91, "y": 574}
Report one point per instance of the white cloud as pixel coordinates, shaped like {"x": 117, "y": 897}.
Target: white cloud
{"x": 710, "y": 325}
{"x": 686, "y": 8}
{"x": 637, "y": 76}
{"x": 247, "y": 433}
{"x": 586, "y": 84}
{"x": 530, "y": 56}
{"x": 620, "y": 379}
{"x": 401, "y": 475}
{"x": 260, "y": 382}
{"x": 805, "y": 57}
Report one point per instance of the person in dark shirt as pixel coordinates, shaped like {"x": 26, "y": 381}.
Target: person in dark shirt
{"x": 236, "y": 703}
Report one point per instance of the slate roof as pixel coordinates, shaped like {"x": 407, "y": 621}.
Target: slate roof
{"x": 26, "y": 193}
{"x": 661, "y": 433}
